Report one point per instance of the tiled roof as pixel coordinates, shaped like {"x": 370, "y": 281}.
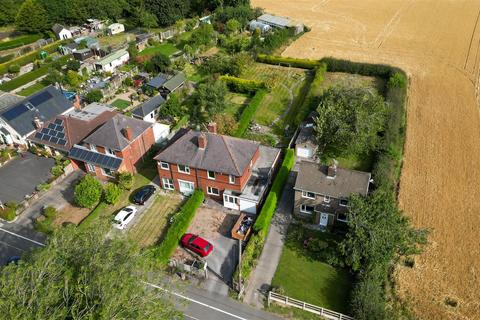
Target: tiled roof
{"x": 148, "y": 106}
{"x": 175, "y": 82}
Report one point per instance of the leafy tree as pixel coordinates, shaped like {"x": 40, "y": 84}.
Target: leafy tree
{"x": 132, "y": 50}
{"x": 159, "y": 63}
{"x": 172, "y": 108}
{"x": 242, "y": 13}
{"x": 87, "y": 192}
{"x": 236, "y": 3}
{"x": 83, "y": 44}
{"x": 226, "y": 123}
{"x": 81, "y": 274}
{"x": 8, "y": 11}
{"x": 72, "y": 78}
{"x": 125, "y": 180}
{"x": 348, "y": 122}
{"x": 32, "y": 17}
{"x": 53, "y": 77}
{"x": 232, "y": 26}
{"x": 73, "y": 65}
{"x": 202, "y": 36}
{"x": 208, "y": 100}
{"x": 111, "y": 193}
{"x": 94, "y": 96}
{"x": 168, "y": 11}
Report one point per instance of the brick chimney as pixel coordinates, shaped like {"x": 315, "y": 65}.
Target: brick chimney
{"x": 202, "y": 141}
{"x": 76, "y": 103}
{"x": 332, "y": 171}
{"x": 128, "y": 133}
{"x": 37, "y": 123}
{"x": 212, "y": 127}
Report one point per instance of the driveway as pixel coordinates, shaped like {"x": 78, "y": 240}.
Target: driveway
{"x": 20, "y": 176}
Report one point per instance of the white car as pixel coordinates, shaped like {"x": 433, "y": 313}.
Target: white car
{"x": 124, "y": 217}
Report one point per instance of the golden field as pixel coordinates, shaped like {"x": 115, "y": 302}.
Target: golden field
{"x": 437, "y": 42}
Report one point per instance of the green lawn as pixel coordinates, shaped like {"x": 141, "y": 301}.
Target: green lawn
{"x": 362, "y": 162}
{"x": 236, "y": 103}
{"x": 165, "y": 48}
{"x": 121, "y": 104}
{"x": 31, "y": 89}
{"x": 306, "y": 278}
{"x": 19, "y": 41}
{"x": 281, "y": 80}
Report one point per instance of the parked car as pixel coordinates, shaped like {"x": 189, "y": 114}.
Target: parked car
{"x": 197, "y": 244}
{"x": 13, "y": 259}
{"x": 124, "y": 217}
{"x": 144, "y": 194}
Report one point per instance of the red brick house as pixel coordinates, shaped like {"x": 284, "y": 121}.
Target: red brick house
{"x": 119, "y": 145}
{"x": 231, "y": 170}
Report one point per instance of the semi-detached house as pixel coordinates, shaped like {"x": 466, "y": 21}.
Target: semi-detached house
{"x": 233, "y": 171}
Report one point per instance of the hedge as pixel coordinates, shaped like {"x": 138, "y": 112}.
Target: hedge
{"x": 255, "y": 245}
{"x": 30, "y": 76}
{"x": 249, "y": 112}
{"x": 288, "y": 62}
{"x": 243, "y": 85}
{"x": 19, "y": 41}
{"x": 179, "y": 227}
{"x": 6, "y": 58}
{"x": 92, "y": 216}
{"x": 30, "y": 57}
{"x": 364, "y": 69}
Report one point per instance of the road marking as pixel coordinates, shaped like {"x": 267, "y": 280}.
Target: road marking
{"x": 186, "y": 315}
{"x": 7, "y": 244}
{"x": 195, "y": 301}
{"x": 24, "y": 238}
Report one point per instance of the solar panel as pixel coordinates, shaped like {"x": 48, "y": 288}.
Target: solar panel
{"x": 40, "y": 98}
{"x": 52, "y": 126}
{"x": 38, "y": 135}
{"x": 45, "y": 131}
{"x": 105, "y": 161}
{"x": 15, "y": 112}
{"x": 62, "y": 142}
{"x": 59, "y": 121}
{"x": 53, "y": 139}
{"x": 60, "y": 135}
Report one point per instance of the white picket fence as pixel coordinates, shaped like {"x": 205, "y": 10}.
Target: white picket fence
{"x": 325, "y": 313}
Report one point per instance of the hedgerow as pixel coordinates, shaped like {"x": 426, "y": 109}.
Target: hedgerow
{"x": 288, "y": 62}
{"x": 249, "y": 112}
{"x": 243, "y": 85}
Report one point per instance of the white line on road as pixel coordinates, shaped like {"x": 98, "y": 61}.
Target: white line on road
{"x": 195, "y": 301}
{"x": 24, "y": 238}
{"x": 190, "y": 317}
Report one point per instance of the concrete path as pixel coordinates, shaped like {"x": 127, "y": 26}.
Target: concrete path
{"x": 261, "y": 277}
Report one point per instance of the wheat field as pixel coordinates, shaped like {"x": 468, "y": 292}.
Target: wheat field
{"x": 437, "y": 42}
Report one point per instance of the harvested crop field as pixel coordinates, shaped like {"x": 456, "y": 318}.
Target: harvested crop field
{"x": 437, "y": 42}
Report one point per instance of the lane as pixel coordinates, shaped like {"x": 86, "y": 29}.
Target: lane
{"x": 15, "y": 241}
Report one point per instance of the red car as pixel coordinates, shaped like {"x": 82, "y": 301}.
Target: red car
{"x": 197, "y": 244}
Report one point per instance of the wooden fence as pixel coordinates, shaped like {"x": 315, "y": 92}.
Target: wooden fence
{"x": 325, "y": 313}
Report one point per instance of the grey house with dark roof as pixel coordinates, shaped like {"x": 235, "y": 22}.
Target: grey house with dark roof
{"x": 234, "y": 171}
{"x": 322, "y": 192}
{"x": 148, "y": 110}
{"x": 24, "y": 117}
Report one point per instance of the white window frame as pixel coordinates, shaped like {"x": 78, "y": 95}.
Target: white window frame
{"x": 208, "y": 175}
{"x": 110, "y": 151}
{"x": 343, "y": 205}
{"x": 231, "y": 179}
{"x": 91, "y": 167}
{"x": 168, "y": 184}
{"x": 227, "y": 197}
{"x": 306, "y": 195}
{"x": 303, "y": 208}
{"x": 210, "y": 191}
{"x": 93, "y": 147}
{"x": 187, "y": 169}
{"x": 327, "y": 199}
{"x": 105, "y": 173}
{"x": 346, "y": 218}
{"x": 164, "y": 165}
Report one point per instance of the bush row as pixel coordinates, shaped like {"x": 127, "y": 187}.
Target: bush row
{"x": 288, "y": 62}
{"x": 19, "y": 41}
{"x": 30, "y": 76}
{"x": 179, "y": 227}
{"x": 30, "y": 57}
{"x": 6, "y": 58}
{"x": 364, "y": 69}
{"x": 255, "y": 245}
{"x": 243, "y": 85}
{"x": 249, "y": 112}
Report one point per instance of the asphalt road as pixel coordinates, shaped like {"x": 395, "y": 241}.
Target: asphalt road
{"x": 16, "y": 240}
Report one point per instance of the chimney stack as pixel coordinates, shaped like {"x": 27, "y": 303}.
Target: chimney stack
{"x": 37, "y": 122}
{"x": 76, "y": 103}
{"x": 332, "y": 171}
{"x": 202, "y": 141}
{"x": 212, "y": 127}
{"x": 128, "y": 133}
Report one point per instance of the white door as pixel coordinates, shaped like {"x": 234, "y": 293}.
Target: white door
{"x": 186, "y": 187}
{"x": 324, "y": 219}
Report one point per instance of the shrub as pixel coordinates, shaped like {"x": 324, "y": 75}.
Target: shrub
{"x": 88, "y": 192}
{"x": 45, "y": 225}
{"x": 94, "y": 96}
{"x": 243, "y": 85}
{"x": 249, "y": 112}
{"x": 10, "y": 211}
{"x": 288, "y": 62}
{"x": 179, "y": 227}
{"x": 125, "y": 180}
{"x": 14, "y": 68}
{"x": 57, "y": 170}
{"x": 111, "y": 193}
{"x": 43, "y": 187}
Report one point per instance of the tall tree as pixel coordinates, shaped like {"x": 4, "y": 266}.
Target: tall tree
{"x": 8, "y": 11}
{"x": 208, "y": 100}
{"x": 168, "y": 11}
{"x": 81, "y": 274}
{"x": 32, "y": 17}
{"x": 348, "y": 122}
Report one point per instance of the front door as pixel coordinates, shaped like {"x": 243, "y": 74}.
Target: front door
{"x": 186, "y": 187}
{"x": 323, "y": 219}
